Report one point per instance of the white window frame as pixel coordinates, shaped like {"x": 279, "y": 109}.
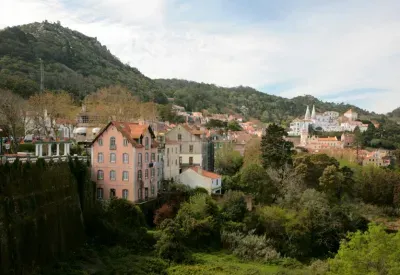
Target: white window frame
{"x": 100, "y": 157}
{"x": 115, "y": 158}
{"x": 113, "y": 172}
{"x": 125, "y": 158}
{"x": 125, "y": 193}
{"x": 125, "y": 175}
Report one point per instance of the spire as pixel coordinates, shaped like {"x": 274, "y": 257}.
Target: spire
{"x": 307, "y": 116}
{"x": 313, "y": 114}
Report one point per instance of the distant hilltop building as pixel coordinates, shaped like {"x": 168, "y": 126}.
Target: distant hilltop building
{"x": 329, "y": 121}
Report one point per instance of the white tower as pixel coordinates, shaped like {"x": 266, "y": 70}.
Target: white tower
{"x": 313, "y": 113}
{"x": 307, "y": 116}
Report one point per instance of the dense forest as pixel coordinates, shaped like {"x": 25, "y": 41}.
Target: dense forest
{"x": 80, "y": 65}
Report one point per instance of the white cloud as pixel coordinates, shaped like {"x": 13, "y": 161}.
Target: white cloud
{"x": 319, "y": 49}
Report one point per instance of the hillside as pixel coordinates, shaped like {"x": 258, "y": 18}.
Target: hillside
{"x": 197, "y": 96}
{"x": 72, "y": 61}
{"x": 80, "y": 65}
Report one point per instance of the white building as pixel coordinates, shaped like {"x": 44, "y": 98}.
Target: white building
{"x": 197, "y": 177}
{"x": 328, "y": 122}
{"x": 171, "y": 161}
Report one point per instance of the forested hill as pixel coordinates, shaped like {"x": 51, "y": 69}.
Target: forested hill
{"x": 198, "y": 96}
{"x": 80, "y": 65}
{"x": 72, "y": 61}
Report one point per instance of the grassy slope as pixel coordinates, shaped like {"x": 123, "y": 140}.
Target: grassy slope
{"x": 221, "y": 264}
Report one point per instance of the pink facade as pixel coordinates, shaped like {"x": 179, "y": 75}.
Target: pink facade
{"x": 124, "y": 163}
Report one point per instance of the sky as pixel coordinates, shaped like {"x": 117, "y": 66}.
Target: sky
{"x": 341, "y": 51}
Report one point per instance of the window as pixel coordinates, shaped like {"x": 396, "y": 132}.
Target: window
{"x": 158, "y": 171}
{"x": 146, "y": 193}
{"x": 140, "y": 159}
{"x": 100, "y": 175}
{"x": 125, "y": 194}
{"x": 168, "y": 163}
{"x": 152, "y": 189}
{"x": 146, "y": 174}
{"x": 167, "y": 151}
{"x": 112, "y": 143}
{"x": 100, "y": 141}
{"x": 190, "y": 160}
{"x": 125, "y": 157}
{"x": 139, "y": 174}
{"x": 146, "y": 143}
{"x": 113, "y": 175}
{"x": 190, "y": 148}
{"x": 125, "y": 175}
{"x": 99, "y": 193}
{"x": 113, "y": 157}
{"x": 176, "y": 150}
{"x": 176, "y": 162}
{"x": 180, "y": 148}
{"x": 180, "y": 160}
{"x": 100, "y": 158}
{"x": 112, "y": 193}
{"x": 153, "y": 157}
{"x": 146, "y": 157}
{"x": 125, "y": 142}
{"x": 179, "y": 137}
{"x": 140, "y": 194}
{"x": 153, "y": 172}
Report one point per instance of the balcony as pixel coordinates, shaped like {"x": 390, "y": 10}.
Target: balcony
{"x": 113, "y": 147}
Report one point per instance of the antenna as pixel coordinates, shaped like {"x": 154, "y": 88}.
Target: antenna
{"x": 41, "y": 76}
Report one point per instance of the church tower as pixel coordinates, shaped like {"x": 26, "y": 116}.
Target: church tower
{"x": 304, "y": 136}
{"x": 307, "y": 116}
{"x": 313, "y": 113}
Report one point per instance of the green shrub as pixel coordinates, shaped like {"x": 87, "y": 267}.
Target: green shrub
{"x": 249, "y": 247}
{"x": 26, "y": 147}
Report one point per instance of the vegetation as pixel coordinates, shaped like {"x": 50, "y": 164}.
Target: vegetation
{"x": 72, "y": 62}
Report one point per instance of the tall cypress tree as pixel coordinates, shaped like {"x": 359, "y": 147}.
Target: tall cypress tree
{"x": 276, "y": 152}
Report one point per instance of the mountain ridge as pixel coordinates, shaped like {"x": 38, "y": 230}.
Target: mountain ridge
{"x": 80, "y": 65}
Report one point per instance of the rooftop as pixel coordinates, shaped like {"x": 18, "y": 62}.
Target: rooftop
{"x": 205, "y": 173}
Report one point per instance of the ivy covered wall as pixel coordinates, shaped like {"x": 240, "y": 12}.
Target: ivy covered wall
{"x": 41, "y": 212}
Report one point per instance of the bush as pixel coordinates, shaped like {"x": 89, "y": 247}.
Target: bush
{"x": 165, "y": 212}
{"x": 319, "y": 267}
{"x": 26, "y": 147}
{"x": 249, "y": 247}
{"x": 234, "y": 206}
{"x": 170, "y": 245}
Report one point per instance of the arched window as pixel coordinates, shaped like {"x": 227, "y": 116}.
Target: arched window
{"x": 147, "y": 157}
{"x": 125, "y": 194}
{"x": 146, "y": 143}
{"x": 112, "y": 193}
{"x": 112, "y": 143}
{"x": 125, "y": 157}
{"x": 146, "y": 174}
{"x": 140, "y": 159}
{"x": 100, "y": 175}
{"x": 113, "y": 175}
{"x": 139, "y": 174}
{"x": 99, "y": 193}
{"x": 113, "y": 158}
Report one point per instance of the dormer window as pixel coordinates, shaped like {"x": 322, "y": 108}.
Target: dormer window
{"x": 112, "y": 143}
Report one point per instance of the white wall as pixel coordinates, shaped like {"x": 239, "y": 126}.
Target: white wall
{"x": 197, "y": 158}
{"x": 193, "y": 179}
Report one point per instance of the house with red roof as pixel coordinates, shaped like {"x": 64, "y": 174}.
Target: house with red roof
{"x": 197, "y": 177}
{"x": 124, "y": 159}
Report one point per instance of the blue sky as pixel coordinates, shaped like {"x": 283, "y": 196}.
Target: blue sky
{"x": 343, "y": 51}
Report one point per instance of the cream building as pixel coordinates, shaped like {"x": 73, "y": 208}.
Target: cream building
{"x": 171, "y": 161}
{"x": 197, "y": 177}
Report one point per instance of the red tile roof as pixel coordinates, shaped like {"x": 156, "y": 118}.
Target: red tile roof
{"x": 205, "y": 173}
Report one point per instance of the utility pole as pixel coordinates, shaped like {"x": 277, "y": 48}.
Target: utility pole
{"x": 41, "y": 76}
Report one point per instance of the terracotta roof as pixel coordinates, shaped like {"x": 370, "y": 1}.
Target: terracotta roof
{"x": 328, "y": 139}
{"x": 130, "y": 131}
{"x": 206, "y": 174}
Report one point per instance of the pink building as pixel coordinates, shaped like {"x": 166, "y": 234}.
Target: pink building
{"x": 124, "y": 162}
